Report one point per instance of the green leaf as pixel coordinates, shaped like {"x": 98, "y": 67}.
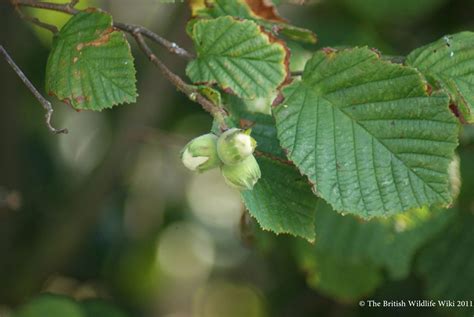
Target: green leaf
{"x": 90, "y": 65}
{"x": 212, "y": 94}
{"x": 367, "y": 134}
{"x": 357, "y": 249}
{"x": 449, "y": 63}
{"x": 296, "y": 33}
{"x": 282, "y": 200}
{"x": 238, "y": 56}
{"x": 51, "y": 306}
{"x": 259, "y": 11}
{"x": 447, "y": 264}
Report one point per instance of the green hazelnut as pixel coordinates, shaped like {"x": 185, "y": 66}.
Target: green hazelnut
{"x": 242, "y": 176}
{"x": 200, "y": 154}
{"x": 235, "y": 145}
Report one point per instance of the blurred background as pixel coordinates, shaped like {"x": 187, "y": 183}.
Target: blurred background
{"x": 108, "y": 215}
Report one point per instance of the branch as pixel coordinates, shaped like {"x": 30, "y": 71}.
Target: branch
{"x": 138, "y": 32}
{"x": 217, "y": 112}
{"x": 170, "y": 46}
{"x": 52, "y": 28}
{"x": 60, "y": 7}
{"x": 45, "y": 103}
{"x": 69, "y": 8}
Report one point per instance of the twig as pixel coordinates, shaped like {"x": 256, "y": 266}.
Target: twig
{"x": 45, "y": 103}
{"x": 69, "y": 8}
{"x": 138, "y": 32}
{"x": 47, "y": 26}
{"x": 60, "y": 7}
{"x": 217, "y": 112}
{"x": 170, "y": 46}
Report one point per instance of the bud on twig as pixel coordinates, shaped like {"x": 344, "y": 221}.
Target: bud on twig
{"x": 244, "y": 175}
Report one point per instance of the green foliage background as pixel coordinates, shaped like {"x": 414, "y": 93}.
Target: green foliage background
{"x": 108, "y": 219}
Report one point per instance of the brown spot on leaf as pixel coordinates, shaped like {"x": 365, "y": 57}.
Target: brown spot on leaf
{"x": 264, "y": 9}
{"x": 228, "y": 90}
{"x": 286, "y": 61}
{"x": 429, "y": 89}
{"x": 80, "y": 99}
{"x": 455, "y": 110}
{"x": 67, "y": 101}
{"x": 245, "y": 124}
{"x": 103, "y": 38}
{"x": 463, "y": 102}
{"x": 278, "y": 99}
{"x": 376, "y": 51}
{"x": 75, "y": 59}
{"x": 329, "y": 51}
